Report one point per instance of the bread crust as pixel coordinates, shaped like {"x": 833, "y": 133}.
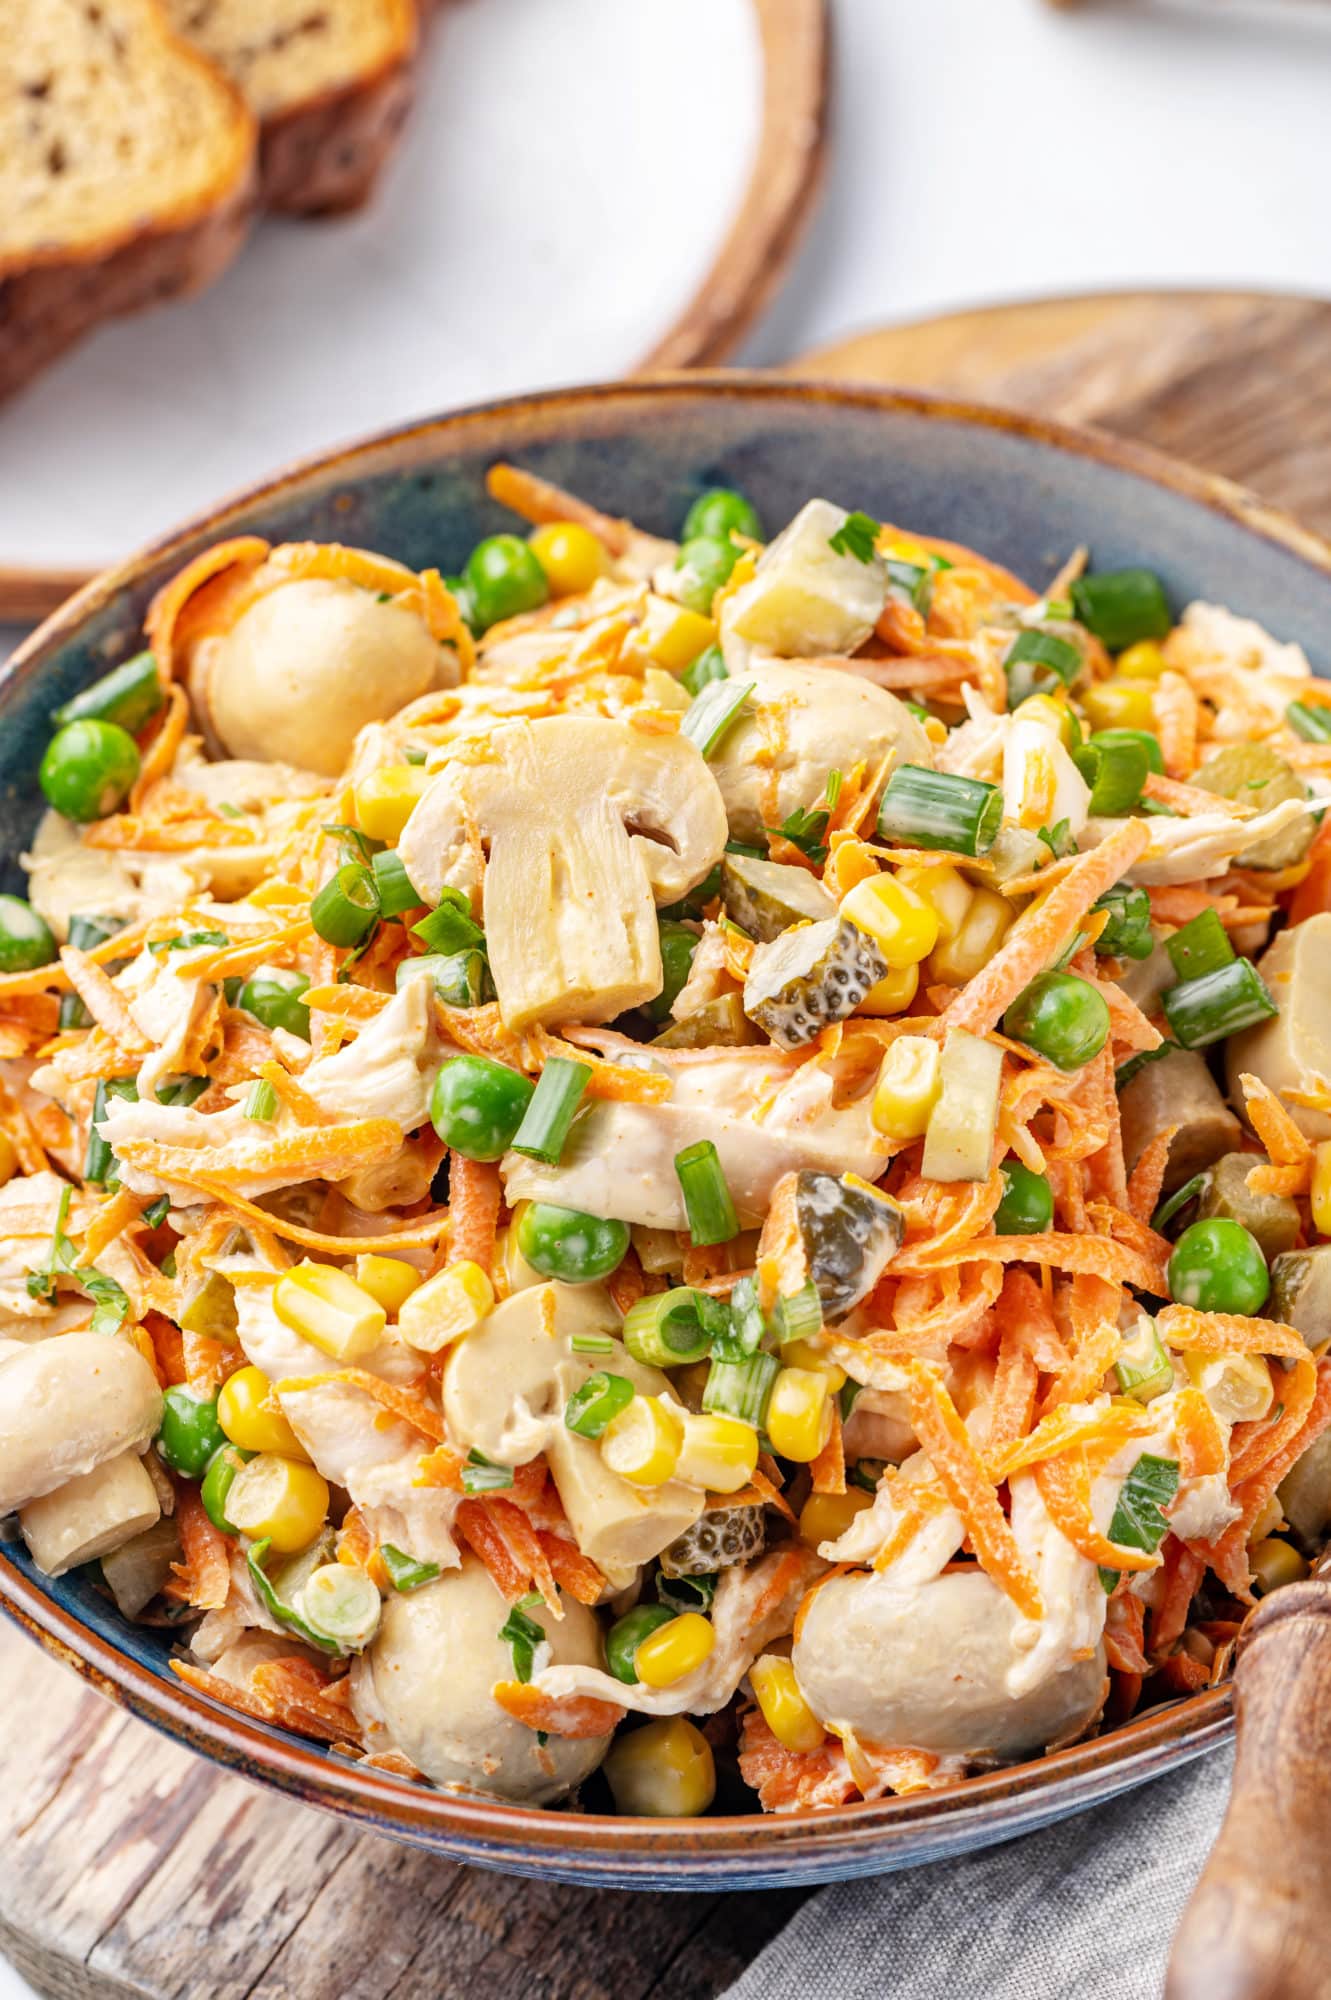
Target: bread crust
{"x": 324, "y": 157}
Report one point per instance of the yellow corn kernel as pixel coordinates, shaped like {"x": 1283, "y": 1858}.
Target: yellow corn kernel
{"x": 674, "y": 1650}
{"x": 446, "y": 1308}
{"x": 1275, "y": 1563}
{"x": 907, "y": 1088}
{"x": 1049, "y": 712}
{"x": 958, "y": 959}
{"x": 642, "y": 1443}
{"x": 825, "y": 1517}
{"x": 799, "y": 1414}
{"x": 384, "y": 800}
{"x": 390, "y": 1281}
{"x": 717, "y": 1453}
{"x": 323, "y": 1305}
{"x": 947, "y": 891}
{"x": 1237, "y": 1386}
{"x": 1268, "y": 1521}
{"x": 1119, "y": 704}
{"x": 784, "y": 1709}
{"x": 893, "y": 993}
{"x": 673, "y": 635}
{"x": 803, "y": 1354}
{"x": 248, "y": 1413}
{"x": 1142, "y": 662}
{"x": 571, "y": 556}
{"x": 901, "y": 923}
{"x": 1321, "y": 1189}
{"x": 278, "y": 1500}
{"x": 664, "y": 1770}
{"x": 935, "y": 729}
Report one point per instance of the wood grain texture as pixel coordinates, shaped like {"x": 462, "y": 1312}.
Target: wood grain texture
{"x": 1233, "y": 381}
{"x": 1258, "y": 1925}
{"x": 133, "y": 1868}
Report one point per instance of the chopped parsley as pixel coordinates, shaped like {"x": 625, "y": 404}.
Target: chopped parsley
{"x": 857, "y": 536}
{"x": 523, "y": 1634}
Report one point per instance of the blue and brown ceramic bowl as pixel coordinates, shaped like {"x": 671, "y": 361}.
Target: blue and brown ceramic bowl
{"x": 1026, "y": 493}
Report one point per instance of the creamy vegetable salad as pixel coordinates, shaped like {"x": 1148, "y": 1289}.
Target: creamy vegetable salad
{"x": 671, "y": 1166}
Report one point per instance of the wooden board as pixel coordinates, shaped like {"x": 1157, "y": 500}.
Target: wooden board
{"x": 1233, "y": 381}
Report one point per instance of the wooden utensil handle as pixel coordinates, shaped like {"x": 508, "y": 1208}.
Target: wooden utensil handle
{"x": 1259, "y": 1923}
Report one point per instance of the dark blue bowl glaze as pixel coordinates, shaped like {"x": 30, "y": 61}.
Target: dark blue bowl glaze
{"x": 1024, "y": 492}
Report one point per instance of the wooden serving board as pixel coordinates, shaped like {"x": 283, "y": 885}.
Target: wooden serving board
{"x": 132, "y": 1868}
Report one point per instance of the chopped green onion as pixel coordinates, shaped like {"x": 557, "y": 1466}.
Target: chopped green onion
{"x": 592, "y": 1343}
{"x": 1175, "y": 1203}
{"x": 273, "y": 996}
{"x": 1312, "y": 723}
{"x": 461, "y": 978}
{"x": 1122, "y": 606}
{"x": 1143, "y": 1368}
{"x": 1105, "y": 739}
{"x": 110, "y": 1300}
{"x": 415, "y": 753}
{"x": 709, "y": 666}
{"x": 404, "y": 1572}
{"x": 396, "y": 894}
{"x": 741, "y": 1388}
{"x": 482, "y": 1475}
{"x": 544, "y": 1130}
{"x": 129, "y": 695}
{"x": 707, "y": 1202}
{"x": 156, "y": 1212}
{"x": 1201, "y": 946}
{"x": 1125, "y": 1072}
{"x": 687, "y": 1593}
{"x": 1206, "y": 1010}
{"x": 744, "y": 1329}
{"x": 99, "y": 1161}
{"x": 346, "y": 906}
{"x": 713, "y": 711}
{"x": 261, "y": 1104}
{"x": 1138, "y": 1521}
{"x": 917, "y": 708}
{"x": 523, "y": 1634}
{"x": 1115, "y": 773}
{"x": 274, "y": 1605}
{"x": 799, "y": 1315}
{"x": 938, "y": 809}
{"x": 1128, "y": 932}
{"x": 1037, "y": 661}
{"x": 85, "y": 934}
{"x": 857, "y": 536}
{"x": 663, "y": 1330}
{"x": 182, "y": 1090}
{"x": 340, "y": 1602}
{"x": 450, "y": 928}
{"x": 597, "y": 1403}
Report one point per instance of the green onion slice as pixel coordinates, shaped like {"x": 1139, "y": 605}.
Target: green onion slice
{"x": 741, "y": 1388}
{"x": 938, "y": 809}
{"x": 1138, "y": 1521}
{"x": 261, "y": 1104}
{"x": 550, "y": 1111}
{"x": 1128, "y": 932}
{"x": 664, "y": 1330}
{"x": 1201, "y": 946}
{"x": 592, "y": 1343}
{"x": 1206, "y": 1010}
{"x": 274, "y": 1605}
{"x": 1038, "y": 661}
{"x": 590, "y": 1409}
{"x": 707, "y": 1202}
{"x": 404, "y": 1572}
{"x": 130, "y": 695}
{"x": 1143, "y": 1368}
{"x": 709, "y": 666}
{"x": 482, "y": 1475}
{"x": 523, "y": 1635}
{"x": 1104, "y": 739}
{"x": 799, "y": 1315}
{"x": 1312, "y": 723}
{"x": 713, "y": 711}
{"x": 450, "y": 928}
{"x": 1122, "y": 606}
{"x": 396, "y": 894}
{"x": 1175, "y": 1203}
{"x": 346, "y": 906}
{"x": 1115, "y": 773}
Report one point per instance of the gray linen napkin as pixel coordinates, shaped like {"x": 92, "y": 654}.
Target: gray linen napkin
{"x": 1088, "y": 1906}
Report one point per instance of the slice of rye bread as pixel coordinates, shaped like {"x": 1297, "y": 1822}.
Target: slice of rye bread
{"x": 330, "y": 81}
{"x": 127, "y": 171}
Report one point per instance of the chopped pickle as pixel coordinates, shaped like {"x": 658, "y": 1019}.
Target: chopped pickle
{"x": 212, "y": 1310}
{"x": 718, "y": 1539}
{"x": 1304, "y": 1494}
{"x": 766, "y": 897}
{"x": 839, "y": 1234}
{"x": 1271, "y": 1218}
{"x": 809, "y": 977}
{"x": 1301, "y": 1291}
{"x": 1253, "y": 775}
{"x": 717, "y": 1024}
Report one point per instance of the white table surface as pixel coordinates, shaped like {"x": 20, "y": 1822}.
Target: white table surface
{"x": 983, "y": 149}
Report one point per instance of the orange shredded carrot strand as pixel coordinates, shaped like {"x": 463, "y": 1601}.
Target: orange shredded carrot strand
{"x": 576, "y": 1715}
{"x": 828, "y": 1470}
{"x": 475, "y": 1193}
{"x": 961, "y": 1472}
{"x": 206, "y": 1570}
{"x": 1147, "y": 1177}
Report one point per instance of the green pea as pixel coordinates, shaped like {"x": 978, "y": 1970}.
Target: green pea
{"x": 217, "y": 1482}
{"x": 88, "y": 769}
{"x": 703, "y": 565}
{"x": 1027, "y": 1206}
{"x": 273, "y": 997}
{"x": 627, "y": 1634}
{"x": 25, "y": 938}
{"x": 477, "y": 1105}
{"x": 564, "y": 1243}
{"x": 678, "y": 945}
{"x": 189, "y": 1433}
{"x": 719, "y": 510}
{"x": 1061, "y": 1017}
{"x": 504, "y": 580}
{"x": 1217, "y": 1266}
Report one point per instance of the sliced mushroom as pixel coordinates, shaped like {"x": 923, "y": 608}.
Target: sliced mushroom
{"x": 801, "y": 724}
{"x": 68, "y": 1404}
{"x": 432, "y": 1667}
{"x": 67, "y": 879}
{"x": 1177, "y": 1091}
{"x": 1292, "y": 1051}
{"x": 1272, "y": 1219}
{"x": 808, "y": 597}
{"x": 505, "y": 1388}
{"x": 91, "y": 1515}
{"x": 306, "y": 666}
{"x": 588, "y": 824}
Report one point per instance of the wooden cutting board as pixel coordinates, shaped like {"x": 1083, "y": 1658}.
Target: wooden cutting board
{"x": 132, "y": 1868}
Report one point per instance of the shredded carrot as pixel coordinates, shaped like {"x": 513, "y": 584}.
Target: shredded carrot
{"x": 1203, "y": 1447}
{"x": 475, "y": 1193}
{"x": 573, "y": 1715}
{"x": 1147, "y": 1177}
{"x": 573, "y": 1571}
{"x": 1096, "y": 1255}
{"x": 1284, "y": 1142}
{"x": 413, "y": 1236}
{"x": 1183, "y": 1569}
{"x": 351, "y": 1003}
{"x": 961, "y": 1472}
{"x": 207, "y": 1363}
{"x": 828, "y": 1470}
{"x": 291, "y": 1095}
{"x": 441, "y": 1467}
{"x": 165, "y": 611}
{"x": 1228, "y": 1556}
{"x": 1125, "y": 1631}
{"x": 1064, "y": 1484}
{"x": 485, "y": 1538}
{"x": 106, "y": 1004}
{"x": 162, "y": 752}
{"x": 206, "y": 1570}
{"x": 411, "y": 1405}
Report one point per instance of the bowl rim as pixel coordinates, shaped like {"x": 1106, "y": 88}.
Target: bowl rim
{"x": 602, "y": 1846}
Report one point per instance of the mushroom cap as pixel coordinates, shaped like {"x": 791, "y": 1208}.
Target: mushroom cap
{"x": 307, "y": 666}
{"x": 802, "y": 723}
{"x": 433, "y": 1663}
{"x": 67, "y": 1404}
{"x": 1292, "y": 1050}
